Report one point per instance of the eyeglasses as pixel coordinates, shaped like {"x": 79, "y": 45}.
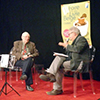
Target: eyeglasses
{"x": 71, "y": 33}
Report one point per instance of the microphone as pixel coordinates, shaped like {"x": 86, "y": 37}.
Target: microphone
{"x": 28, "y": 54}
{"x": 67, "y": 40}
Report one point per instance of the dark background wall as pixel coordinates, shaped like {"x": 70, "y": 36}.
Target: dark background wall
{"x": 42, "y": 19}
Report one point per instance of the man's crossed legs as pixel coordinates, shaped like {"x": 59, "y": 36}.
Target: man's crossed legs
{"x": 55, "y": 74}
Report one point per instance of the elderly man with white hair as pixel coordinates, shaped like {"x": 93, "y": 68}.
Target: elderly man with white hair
{"x": 25, "y": 52}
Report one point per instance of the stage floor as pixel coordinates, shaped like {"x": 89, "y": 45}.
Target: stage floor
{"x": 41, "y": 87}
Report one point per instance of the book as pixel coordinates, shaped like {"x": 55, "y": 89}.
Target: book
{"x": 4, "y": 60}
{"x": 59, "y": 54}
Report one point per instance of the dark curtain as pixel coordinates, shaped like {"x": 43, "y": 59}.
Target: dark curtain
{"x": 42, "y": 19}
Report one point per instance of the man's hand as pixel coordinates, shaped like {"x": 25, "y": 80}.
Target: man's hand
{"x": 26, "y": 56}
{"x": 64, "y": 44}
{"x": 30, "y": 55}
{"x": 55, "y": 54}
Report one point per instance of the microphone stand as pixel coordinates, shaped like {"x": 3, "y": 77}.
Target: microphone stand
{"x": 5, "y": 85}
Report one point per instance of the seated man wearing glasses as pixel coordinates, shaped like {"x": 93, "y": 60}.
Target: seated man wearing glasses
{"x": 78, "y": 51}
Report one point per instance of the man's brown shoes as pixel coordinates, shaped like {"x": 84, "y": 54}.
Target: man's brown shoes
{"x": 48, "y": 77}
{"x": 55, "y": 92}
{"x": 23, "y": 77}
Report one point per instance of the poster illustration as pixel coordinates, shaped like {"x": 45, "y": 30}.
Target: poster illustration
{"x": 78, "y": 15}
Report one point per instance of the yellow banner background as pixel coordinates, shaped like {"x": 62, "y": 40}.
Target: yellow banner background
{"x": 72, "y": 15}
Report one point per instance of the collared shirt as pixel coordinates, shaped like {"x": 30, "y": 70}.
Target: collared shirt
{"x": 27, "y": 49}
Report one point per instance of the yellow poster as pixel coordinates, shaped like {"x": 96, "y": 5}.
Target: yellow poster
{"x": 78, "y": 15}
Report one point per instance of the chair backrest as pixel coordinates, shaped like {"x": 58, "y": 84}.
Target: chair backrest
{"x": 11, "y": 51}
{"x": 12, "y": 59}
{"x": 84, "y": 68}
{"x": 92, "y": 53}
{"x": 87, "y": 66}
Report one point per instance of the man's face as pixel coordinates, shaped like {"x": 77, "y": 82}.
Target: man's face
{"x": 25, "y": 38}
{"x": 72, "y": 35}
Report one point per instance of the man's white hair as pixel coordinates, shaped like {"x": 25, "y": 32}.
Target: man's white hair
{"x": 74, "y": 29}
{"x": 25, "y": 33}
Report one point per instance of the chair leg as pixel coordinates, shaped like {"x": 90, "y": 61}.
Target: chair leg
{"x": 80, "y": 74}
{"x": 75, "y": 83}
{"x": 36, "y": 75}
{"x": 38, "y": 68}
{"x": 16, "y": 75}
{"x": 18, "y": 69}
{"x": 0, "y": 73}
{"x": 91, "y": 80}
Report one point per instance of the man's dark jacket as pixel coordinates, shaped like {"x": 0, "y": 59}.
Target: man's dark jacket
{"x": 79, "y": 51}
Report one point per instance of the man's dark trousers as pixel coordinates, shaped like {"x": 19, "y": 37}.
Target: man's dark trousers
{"x": 26, "y": 66}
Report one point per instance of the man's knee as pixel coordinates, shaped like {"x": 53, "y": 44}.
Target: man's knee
{"x": 66, "y": 64}
{"x": 30, "y": 58}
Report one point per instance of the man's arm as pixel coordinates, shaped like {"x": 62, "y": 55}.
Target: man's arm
{"x": 33, "y": 51}
{"x": 79, "y": 45}
{"x": 17, "y": 50}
